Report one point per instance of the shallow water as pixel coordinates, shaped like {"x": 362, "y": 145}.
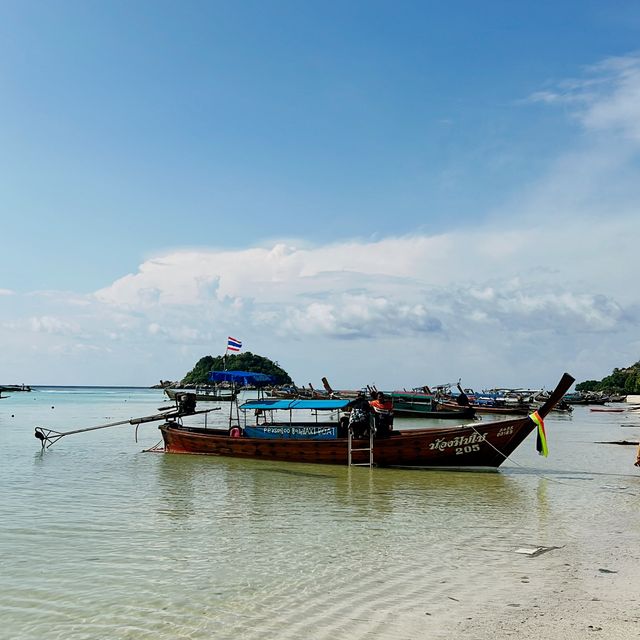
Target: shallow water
{"x": 98, "y": 539}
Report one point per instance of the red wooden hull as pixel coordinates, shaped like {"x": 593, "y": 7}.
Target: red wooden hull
{"x": 480, "y": 445}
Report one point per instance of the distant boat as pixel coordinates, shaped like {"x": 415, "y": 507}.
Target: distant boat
{"x": 585, "y": 397}
{"x": 421, "y": 397}
{"x": 486, "y": 408}
{"x": 293, "y": 392}
{"x": 205, "y": 395}
{"x": 14, "y": 387}
{"x": 408, "y": 409}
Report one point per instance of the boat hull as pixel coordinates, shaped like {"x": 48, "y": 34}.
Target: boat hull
{"x": 479, "y": 446}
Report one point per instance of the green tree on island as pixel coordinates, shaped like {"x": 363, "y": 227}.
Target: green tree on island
{"x": 241, "y": 362}
{"x": 624, "y": 381}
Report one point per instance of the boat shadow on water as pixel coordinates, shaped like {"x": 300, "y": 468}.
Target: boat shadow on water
{"x": 188, "y": 483}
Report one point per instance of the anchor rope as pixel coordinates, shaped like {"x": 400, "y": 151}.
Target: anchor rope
{"x": 531, "y": 469}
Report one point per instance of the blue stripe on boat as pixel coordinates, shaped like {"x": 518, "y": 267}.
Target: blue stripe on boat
{"x": 294, "y": 404}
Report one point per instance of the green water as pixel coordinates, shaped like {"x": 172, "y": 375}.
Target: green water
{"x": 101, "y": 540}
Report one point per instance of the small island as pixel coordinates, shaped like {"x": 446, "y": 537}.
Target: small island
{"x": 199, "y": 375}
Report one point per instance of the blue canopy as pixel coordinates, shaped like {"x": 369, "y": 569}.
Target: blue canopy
{"x": 295, "y": 404}
{"x": 244, "y": 378}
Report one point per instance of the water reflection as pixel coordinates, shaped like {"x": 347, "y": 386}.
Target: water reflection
{"x": 269, "y": 487}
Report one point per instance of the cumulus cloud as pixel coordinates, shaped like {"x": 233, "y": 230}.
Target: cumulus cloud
{"x": 550, "y": 268}
{"x": 483, "y": 298}
{"x": 355, "y": 316}
{"x": 546, "y": 284}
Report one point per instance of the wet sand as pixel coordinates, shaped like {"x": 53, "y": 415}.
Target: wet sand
{"x": 573, "y": 597}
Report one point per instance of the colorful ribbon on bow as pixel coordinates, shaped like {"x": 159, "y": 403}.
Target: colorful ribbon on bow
{"x": 541, "y": 439}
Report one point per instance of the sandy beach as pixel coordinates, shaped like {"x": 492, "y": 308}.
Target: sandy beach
{"x": 605, "y": 605}
{"x": 585, "y": 589}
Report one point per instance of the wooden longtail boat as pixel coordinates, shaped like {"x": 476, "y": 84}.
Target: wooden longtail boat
{"x": 487, "y": 408}
{"x": 480, "y": 445}
{"x": 585, "y": 397}
{"x": 422, "y": 395}
{"x": 410, "y": 396}
{"x": 205, "y": 395}
{"x": 408, "y": 409}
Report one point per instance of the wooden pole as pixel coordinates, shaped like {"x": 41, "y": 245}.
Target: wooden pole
{"x": 49, "y": 436}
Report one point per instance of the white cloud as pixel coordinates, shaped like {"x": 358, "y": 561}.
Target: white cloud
{"x": 154, "y": 328}
{"x": 49, "y": 324}
{"x": 354, "y": 316}
{"x": 548, "y": 284}
{"x": 488, "y": 297}
{"x": 607, "y": 98}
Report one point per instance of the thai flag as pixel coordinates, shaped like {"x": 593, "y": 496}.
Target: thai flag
{"x": 233, "y": 344}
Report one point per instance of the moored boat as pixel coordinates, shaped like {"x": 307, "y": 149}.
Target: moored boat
{"x": 410, "y": 396}
{"x": 322, "y": 441}
{"x": 205, "y": 395}
{"x": 411, "y": 409}
{"x": 14, "y": 387}
{"x": 585, "y": 398}
{"x": 486, "y": 408}
{"x": 498, "y": 402}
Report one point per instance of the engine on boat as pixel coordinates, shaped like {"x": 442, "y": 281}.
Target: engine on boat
{"x": 186, "y": 402}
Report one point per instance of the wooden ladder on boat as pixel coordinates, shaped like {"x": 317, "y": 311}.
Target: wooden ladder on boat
{"x": 369, "y": 449}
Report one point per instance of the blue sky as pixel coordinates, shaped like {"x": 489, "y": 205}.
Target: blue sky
{"x": 398, "y": 193}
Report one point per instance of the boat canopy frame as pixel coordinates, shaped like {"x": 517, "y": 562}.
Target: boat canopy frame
{"x": 296, "y": 403}
{"x": 316, "y": 406}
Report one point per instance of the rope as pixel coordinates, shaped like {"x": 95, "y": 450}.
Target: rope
{"x": 157, "y": 448}
{"x": 504, "y": 455}
{"x": 534, "y": 471}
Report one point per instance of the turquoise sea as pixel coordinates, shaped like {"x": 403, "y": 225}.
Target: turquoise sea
{"x": 101, "y": 540}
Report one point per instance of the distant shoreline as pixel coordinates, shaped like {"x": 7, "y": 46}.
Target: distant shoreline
{"x": 86, "y": 386}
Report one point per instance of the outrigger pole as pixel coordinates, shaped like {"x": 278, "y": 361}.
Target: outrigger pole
{"x": 184, "y": 407}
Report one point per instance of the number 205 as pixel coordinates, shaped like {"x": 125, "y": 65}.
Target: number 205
{"x": 470, "y": 448}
